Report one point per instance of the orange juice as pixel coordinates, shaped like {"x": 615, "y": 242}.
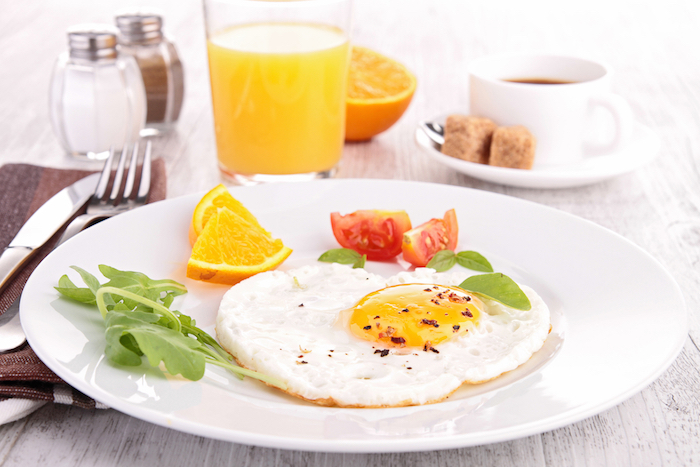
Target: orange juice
{"x": 278, "y": 91}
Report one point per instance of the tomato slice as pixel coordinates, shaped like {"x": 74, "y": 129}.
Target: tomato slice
{"x": 452, "y": 229}
{"x": 420, "y": 244}
{"x": 377, "y": 234}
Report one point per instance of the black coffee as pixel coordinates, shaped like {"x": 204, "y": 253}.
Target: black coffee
{"x": 538, "y": 81}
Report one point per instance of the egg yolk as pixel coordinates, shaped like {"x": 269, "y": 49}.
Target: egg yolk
{"x": 416, "y": 315}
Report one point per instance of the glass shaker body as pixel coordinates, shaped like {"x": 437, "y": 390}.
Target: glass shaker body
{"x": 161, "y": 70}
{"x": 141, "y": 36}
{"x": 96, "y": 104}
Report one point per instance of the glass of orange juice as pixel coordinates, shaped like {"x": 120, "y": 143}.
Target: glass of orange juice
{"x": 278, "y": 73}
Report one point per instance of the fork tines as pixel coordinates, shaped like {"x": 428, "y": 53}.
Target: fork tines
{"x": 122, "y": 191}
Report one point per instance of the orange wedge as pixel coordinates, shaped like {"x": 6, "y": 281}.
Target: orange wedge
{"x": 218, "y": 197}
{"x": 379, "y": 91}
{"x": 230, "y": 249}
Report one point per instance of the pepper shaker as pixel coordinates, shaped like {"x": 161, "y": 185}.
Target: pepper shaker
{"x": 97, "y": 99}
{"x": 141, "y": 36}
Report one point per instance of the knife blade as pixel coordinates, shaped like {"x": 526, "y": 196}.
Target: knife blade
{"x": 43, "y": 224}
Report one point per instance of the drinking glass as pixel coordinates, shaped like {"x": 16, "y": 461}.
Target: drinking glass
{"x": 278, "y": 73}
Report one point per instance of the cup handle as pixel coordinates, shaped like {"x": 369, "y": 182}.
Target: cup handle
{"x": 624, "y": 123}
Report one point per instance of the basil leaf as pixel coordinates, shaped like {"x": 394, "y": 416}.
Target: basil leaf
{"x": 360, "y": 263}
{"x": 340, "y": 255}
{"x": 498, "y": 287}
{"x": 473, "y": 260}
{"x": 442, "y": 260}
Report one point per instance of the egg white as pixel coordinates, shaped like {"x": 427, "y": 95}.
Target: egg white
{"x": 285, "y": 324}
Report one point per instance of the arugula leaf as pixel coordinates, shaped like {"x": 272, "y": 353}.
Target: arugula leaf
{"x": 132, "y": 301}
{"x": 139, "y": 323}
{"x": 140, "y": 284}
{"x": 168, "y": 299}
{"x": 90, "y": 280}
{"x": 341, "y": 255}
{"x": 157, "y": 343}
{"x": 128, "y": 341}
{"x": 442, "y": 260}
{"x": 360, "y": 263}
{"x": 498, "y": 287}
{"x": 189, "y": 328}
{"x": 473, "y": 260}
{"x": 122, "y": 348}
{"x": 79, "y": 294}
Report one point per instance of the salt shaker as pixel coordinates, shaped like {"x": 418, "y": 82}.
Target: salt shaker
{"x": 97, "y": 98}
{"x": 141, "y": 36}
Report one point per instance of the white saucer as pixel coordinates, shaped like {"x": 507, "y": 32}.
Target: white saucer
{"x": 640, "y": 151}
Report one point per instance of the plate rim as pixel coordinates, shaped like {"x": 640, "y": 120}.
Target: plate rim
{"x": 382, "y": 445}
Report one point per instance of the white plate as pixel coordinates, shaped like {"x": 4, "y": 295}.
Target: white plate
{"x": 640, "y": 151}
{"x": 618, "y": 318}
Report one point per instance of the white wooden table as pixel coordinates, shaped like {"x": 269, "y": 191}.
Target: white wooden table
{"x": 652, "y": 45}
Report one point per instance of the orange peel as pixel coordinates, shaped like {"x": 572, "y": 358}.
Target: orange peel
{"x": 379, "y": 92}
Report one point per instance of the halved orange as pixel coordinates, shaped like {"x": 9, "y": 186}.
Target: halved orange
{"x": 216, "y": 198}
{"x": 379, "y": 91}
{"x": 230, "y": 249}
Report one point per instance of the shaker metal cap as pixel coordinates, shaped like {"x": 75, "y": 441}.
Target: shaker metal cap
{"x": 92, "y": 41}
{"x": 139, "y": 26}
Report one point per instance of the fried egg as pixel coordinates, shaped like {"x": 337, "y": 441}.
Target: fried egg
{"x": 346, "y": 337}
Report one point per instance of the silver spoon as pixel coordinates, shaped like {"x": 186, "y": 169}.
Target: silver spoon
{"x": 435, "y": 132}
{"x": 12, "y": 333}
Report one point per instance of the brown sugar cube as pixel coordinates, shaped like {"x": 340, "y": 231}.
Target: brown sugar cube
{"x": 468, "y": 138}
{"x": 512, "y": 147}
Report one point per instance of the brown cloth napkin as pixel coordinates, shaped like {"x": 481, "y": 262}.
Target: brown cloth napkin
{"x": 23, "y": 189}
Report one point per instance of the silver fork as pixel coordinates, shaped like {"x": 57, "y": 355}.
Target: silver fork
{"x": 99, "y": 207}
{"x": 11, "y": 333}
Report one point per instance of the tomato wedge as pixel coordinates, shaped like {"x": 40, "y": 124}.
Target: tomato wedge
{"x": 420, "y": 244}
{"x": 377, "y": 234}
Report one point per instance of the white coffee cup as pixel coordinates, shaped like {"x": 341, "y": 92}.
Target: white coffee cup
{"x": 560, "y": 116}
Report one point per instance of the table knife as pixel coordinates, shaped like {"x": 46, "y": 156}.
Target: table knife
{"x": 43, "y": 224}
